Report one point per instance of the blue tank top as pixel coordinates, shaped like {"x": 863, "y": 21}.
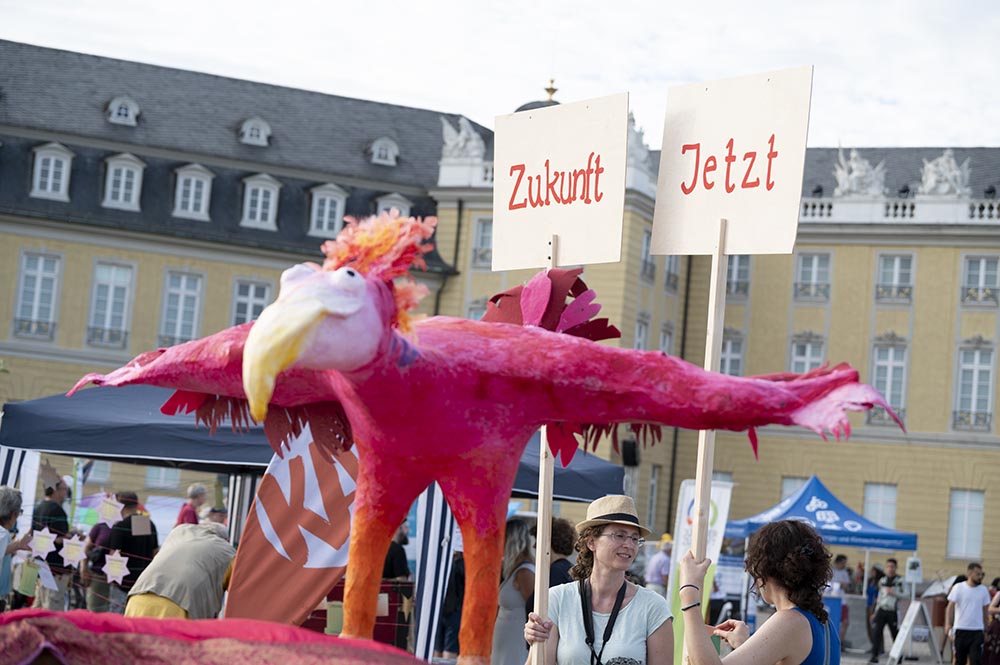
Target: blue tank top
{"x": 817, "y": 655}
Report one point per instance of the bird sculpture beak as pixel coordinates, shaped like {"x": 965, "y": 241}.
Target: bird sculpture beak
{"x": 274, "y": 343}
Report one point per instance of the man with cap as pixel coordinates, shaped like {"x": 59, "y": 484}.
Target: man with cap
{"x": 658, "y": 568}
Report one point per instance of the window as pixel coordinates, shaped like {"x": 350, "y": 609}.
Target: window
{"x": 52, "y": 170}
{"x": 654, "y": 482}
{"x": 731, "y": 360}
{"x": 790, "y": 485}
{"x": 895, "y": 278}
{"x": 389, "y": 201}
{"x": 975, "y": 388}
{"x": 123, "y": 182}
{"x": 100, "y": 471}
{"x": 476, "y": 310}
{"x": 630, "y": 483}
{"x": 889, "y": 378}
{"x": 181, "y": 305}
{"x": 666, "y": 340}
{"x": 162, "y": 478}
{"x": 965, "y": 525}
{"x": 37, "y": 296}
{"x": 384, "y": 151}
{"x": 647, "y": 268}
{"x": 641, "y": 341}
{"x": 807, "y": 354}
{"x": 738, "y": 276}
{"x": 673, "y": 263}
{"x": 255, "y": 131}
{"x": 880, "y": 504}
{"x": 250, "y": 300}
{"x": 109, "y": 308}
{"x": 979, "y": 285}
{"x": 813, "y": 277}
{"x": 260, "y": 202}
{"x": 123, "y": 111}
{"x": 193, "y": 193}
{"x": 328, "y": 204}
{"x": 482, "y": 244}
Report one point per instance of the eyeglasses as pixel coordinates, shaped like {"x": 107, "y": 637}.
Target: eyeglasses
{"x": 756, "y": 588}
{"x": 620, "y": 538}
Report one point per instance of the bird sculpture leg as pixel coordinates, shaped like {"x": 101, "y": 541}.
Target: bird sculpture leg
{"x": 383, "y": 498}
{"x": 481, "y": 513}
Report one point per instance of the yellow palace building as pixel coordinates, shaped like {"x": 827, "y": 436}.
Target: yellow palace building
{"x": 143, "y": 206}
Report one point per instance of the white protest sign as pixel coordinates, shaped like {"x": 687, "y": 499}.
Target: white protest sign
{"x": 733, "y": 149}
{"x": 560, "y": 171}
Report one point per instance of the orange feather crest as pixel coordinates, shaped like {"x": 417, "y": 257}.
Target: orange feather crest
{"x": 385, "y": 247}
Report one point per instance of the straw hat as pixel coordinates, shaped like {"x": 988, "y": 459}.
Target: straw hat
{"x": 613, "y": 509}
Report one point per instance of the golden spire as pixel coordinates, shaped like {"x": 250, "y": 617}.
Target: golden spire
{"x": 551, "y": 89}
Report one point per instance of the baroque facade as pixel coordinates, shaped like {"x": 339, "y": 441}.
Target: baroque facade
{"x": 142, "y": 206}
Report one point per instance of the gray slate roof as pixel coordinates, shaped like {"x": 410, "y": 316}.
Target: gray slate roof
{"x": 63, "y": 91}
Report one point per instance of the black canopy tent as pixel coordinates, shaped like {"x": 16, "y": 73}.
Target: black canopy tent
{"x": 126, "y": 425}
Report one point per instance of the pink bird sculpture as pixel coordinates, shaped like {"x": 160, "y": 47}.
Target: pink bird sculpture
{"x": 452, "y": 400}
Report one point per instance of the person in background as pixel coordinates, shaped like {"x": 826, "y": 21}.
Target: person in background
{"x": 135, "y": 537}
{"x": 185, "y": 579}
{"x": 871, "y": 594}
{"x": 561, "y": 543}
{"x": 658, "y": 569}
{"x": 94, "y": 579}
{"x": 49, "y": 514}
{"x": 10, "y": 509}
{"x": 196, "y": 496}
{"x": 451, "y": 611}
{"x": 790, "y": 567}
{"x": 967, "y": 616}
{"x": 840, "y": 585}
{"x": 994, "y": 587}
{"x": 640, "y": 620}
{"x": 890, "y": 590}
{"x": 516, "y": 587}
{"x": 216, "y": 514}
{"x": 397, "y": 569}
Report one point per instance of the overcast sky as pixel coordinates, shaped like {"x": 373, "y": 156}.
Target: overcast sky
{"x": 888, "y": 73}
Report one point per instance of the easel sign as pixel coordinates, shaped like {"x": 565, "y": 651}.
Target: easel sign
{"x": 906, "y": 633}
{"x": 733, "y": 149}
{"x": 730, "y": 182}
{"x": 558, "y": 199}
{"x": 560, "y": 171}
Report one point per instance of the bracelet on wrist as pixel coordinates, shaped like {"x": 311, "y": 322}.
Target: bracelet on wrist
{"x": 688, "y": 586}
{"x": 697, "y": 603}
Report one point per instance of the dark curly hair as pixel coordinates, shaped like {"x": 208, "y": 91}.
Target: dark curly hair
{"x": 585, "y": 557}
{"x": 563, "y": 536}
{"x": 792, "y": 554}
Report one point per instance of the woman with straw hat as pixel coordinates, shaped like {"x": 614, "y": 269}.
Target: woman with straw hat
{"x": 602, "y": 617}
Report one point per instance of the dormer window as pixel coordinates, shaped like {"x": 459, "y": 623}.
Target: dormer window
{"x": 327, "y": 216}
{"x": 384, "y": 151}
{"x": 193, "y": 192}
{"x": 51, "y": 175}
{"x": 260, "y": 202}
{"x": 389, "y": 201}
{"x": 123, "y": 111}
{"x": 123, "y": 182}
{"x": 255, "y": 131}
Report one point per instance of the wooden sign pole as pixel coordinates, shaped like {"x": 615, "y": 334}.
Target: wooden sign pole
{"x": 706, "y": 438}
{"x": 543, "y": 537}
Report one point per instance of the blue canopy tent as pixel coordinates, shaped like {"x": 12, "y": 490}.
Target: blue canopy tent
{"x": 836, "y": 522}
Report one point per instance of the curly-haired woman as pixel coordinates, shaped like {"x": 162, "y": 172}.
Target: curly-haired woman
{"x": 790, "y": 567}
{"x": 603, "y": 618}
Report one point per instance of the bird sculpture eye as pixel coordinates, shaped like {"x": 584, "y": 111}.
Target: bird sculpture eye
{"x": 351, "y": 273}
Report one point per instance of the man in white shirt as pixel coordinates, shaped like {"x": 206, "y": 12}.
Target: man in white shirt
{"x": 966, "y": 614}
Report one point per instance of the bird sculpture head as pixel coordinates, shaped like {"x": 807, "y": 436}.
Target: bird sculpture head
{"x": 336, "y": 316}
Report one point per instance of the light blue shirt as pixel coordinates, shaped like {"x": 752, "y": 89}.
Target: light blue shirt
{"x": 5, "y": 538}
